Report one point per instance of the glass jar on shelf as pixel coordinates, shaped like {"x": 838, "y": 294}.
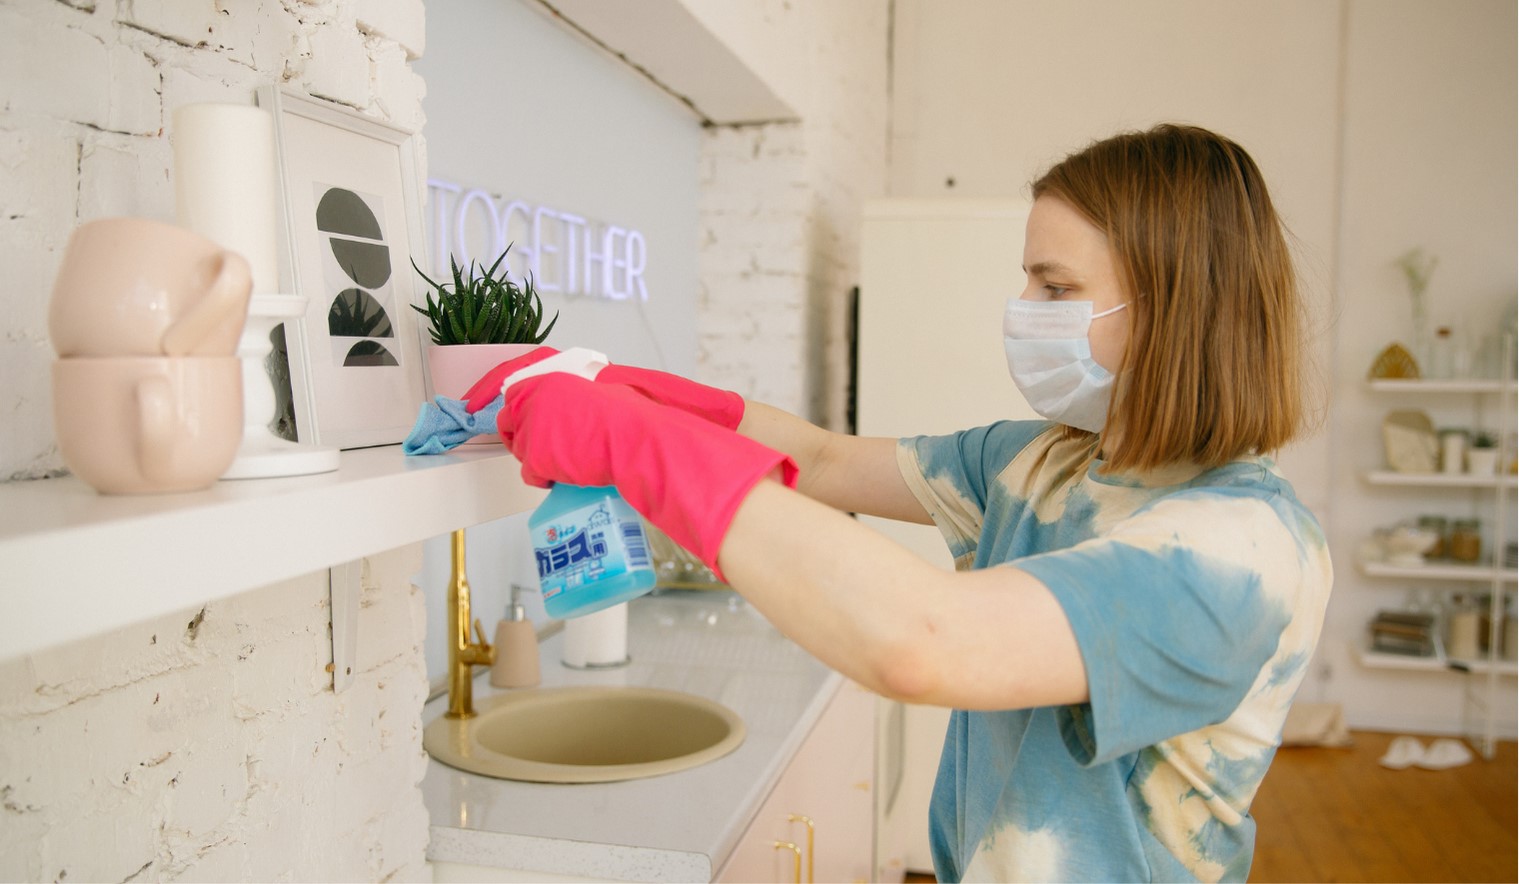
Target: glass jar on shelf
{"x": 1463, "y": 627}
{"x": 1465, "y": 542}
{"x": 1442, "y": 354}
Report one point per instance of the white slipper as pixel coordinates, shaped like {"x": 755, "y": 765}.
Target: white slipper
{"x": 1444, "y": 754}
{"x": 1403, "y": 752}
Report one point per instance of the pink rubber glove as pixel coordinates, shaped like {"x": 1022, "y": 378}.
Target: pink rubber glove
{"x": 684, "y": 474}
{"x": 721, "y": 407}
{"x": 485, "y": 390}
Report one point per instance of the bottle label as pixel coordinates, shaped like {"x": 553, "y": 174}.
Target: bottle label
{"x": 580, "y": 547}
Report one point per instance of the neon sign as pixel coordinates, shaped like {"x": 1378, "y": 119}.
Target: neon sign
{"x": 566, "y": 253}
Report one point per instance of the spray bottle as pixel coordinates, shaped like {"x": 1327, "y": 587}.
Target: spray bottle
{"x": 591, "y": 548}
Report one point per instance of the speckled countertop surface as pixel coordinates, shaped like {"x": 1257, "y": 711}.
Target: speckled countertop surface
{"x": 676, "y": 827}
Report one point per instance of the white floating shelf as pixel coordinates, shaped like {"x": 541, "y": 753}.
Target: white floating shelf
{"x": 1441, "y": 571}
{"x": 77, "y": 563}
{"x": 1377, "y": 660}
{"x": 1439, "y": 480}
{"x": 1464, "y": 385}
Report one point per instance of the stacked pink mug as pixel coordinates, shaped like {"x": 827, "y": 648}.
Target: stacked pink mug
{"x": 147, "y": 390}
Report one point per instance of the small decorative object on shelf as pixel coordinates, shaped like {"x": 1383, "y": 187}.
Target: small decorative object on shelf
{"x": 1411, "y": 633}
{"x": 1437, "y": 526}
{"x": 1466, "y": 540}
{"x": 1405, "y": 546}
{"x": 1417, "y": 269}
{"x": 1394, "y": 363}
{"x": 1442, "y": 355}
{"x": 1463, "y": 628}
{"x": 1410, "y": 443}
{"x": 1452, "y": 451}
{"x": 1482, "y": 455}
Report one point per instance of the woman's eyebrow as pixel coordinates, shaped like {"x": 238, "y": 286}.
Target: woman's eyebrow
{"x": 1047, "y": 268}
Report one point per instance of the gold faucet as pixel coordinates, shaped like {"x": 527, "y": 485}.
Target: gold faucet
{"x": 463, "y": 655}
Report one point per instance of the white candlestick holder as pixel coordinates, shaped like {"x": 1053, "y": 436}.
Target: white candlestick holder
{"x": 262, "y": 454}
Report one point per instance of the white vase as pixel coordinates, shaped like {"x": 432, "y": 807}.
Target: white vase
{"x": 1482, "y": 461}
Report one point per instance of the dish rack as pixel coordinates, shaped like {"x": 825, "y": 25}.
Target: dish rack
{"x": 676, "y": 568}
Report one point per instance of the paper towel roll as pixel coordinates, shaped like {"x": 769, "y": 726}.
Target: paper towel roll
{"x": 224, "y": 182}
{"x": 597, "y": 641}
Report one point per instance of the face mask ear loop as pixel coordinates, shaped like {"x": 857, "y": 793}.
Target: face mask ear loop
{"x": 1102, "y": 434}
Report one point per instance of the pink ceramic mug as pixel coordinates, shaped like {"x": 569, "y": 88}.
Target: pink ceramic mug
{"x": 135, "y": 425}
{"x": 136, "y": 287}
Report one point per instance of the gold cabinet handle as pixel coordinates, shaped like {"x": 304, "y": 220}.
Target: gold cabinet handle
{"x": 811, "y": 832}
{"x": 787, "y": 845}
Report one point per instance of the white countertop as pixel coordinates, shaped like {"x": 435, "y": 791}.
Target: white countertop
{"x": 676, "y": 827}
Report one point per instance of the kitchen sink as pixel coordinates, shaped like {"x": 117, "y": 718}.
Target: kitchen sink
{"x": 585, "y": 734}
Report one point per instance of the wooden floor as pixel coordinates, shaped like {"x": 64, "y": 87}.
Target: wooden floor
{"x": 1338, "y": 815}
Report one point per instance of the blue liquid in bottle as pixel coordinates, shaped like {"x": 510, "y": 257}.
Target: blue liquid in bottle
{"x": 591, "y": 548}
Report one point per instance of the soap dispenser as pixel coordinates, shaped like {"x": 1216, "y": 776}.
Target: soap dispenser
{"x": 516, "y": 663}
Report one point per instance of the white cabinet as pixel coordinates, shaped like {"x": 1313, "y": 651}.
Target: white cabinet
{"x": 819, "y": 822}
{"x": 1489, "y": 498}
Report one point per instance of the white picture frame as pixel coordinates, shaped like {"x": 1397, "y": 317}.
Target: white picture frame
{"x": 350, "y": 217}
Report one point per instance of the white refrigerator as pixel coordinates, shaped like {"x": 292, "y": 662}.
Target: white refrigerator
{"x": 934, "y": 276}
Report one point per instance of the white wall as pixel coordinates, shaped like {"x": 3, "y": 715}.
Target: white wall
{"x": 549, "y": 119}
{"x": 1379, "y": 126}
{"x": 521, "y": 107}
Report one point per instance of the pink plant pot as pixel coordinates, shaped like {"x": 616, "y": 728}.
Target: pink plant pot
{"x": 453, "y": 369}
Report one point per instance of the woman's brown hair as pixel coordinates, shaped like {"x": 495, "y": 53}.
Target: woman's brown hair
{"x": 1213, "y": 369}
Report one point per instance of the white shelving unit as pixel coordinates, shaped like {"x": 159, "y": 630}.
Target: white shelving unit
{"x": 1494, "y": 494}
{"x": 1439, "y": 480}
{"x": 78, "y": 563}
{"x": 1438, "y": 663}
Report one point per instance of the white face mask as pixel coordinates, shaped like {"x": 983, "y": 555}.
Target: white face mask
{"x": 1051, "y": 360}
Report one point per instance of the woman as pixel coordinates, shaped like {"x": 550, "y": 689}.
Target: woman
{"x": 1138, "y": 591}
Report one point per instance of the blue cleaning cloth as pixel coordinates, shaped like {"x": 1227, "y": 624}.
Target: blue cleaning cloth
{"x": 443, "y": 424}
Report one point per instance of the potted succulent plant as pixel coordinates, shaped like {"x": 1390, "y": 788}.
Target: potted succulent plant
{"x": 477, "y": 321}
{"x": 1482, "y": 456}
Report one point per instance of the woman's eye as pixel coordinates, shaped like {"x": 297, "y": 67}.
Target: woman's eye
{"x": 1055, "y": 291}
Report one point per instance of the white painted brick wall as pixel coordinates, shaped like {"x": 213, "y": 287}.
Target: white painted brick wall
{"x": 397, "y": 21}
{"x": 162, "y": 751}
{"x": 755, "y": 206}
{"x": 209, "y": 745}
{"x": 781, "y": 203}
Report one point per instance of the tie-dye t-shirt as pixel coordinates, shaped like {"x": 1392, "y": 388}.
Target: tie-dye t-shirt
{"x": 1196, "y": 597}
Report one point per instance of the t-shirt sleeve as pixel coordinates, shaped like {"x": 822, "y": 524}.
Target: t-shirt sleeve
{"x": 948, "y": 475}
{"x": 1177, "y": 611}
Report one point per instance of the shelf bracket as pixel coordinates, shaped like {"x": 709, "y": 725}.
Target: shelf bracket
{"x": 344, "y": 586}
